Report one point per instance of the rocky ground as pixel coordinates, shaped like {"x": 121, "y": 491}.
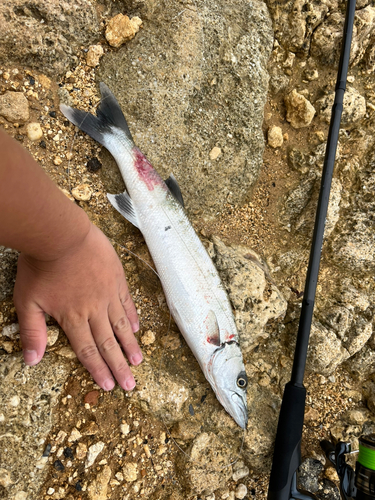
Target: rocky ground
{"x": 233, "y": 98}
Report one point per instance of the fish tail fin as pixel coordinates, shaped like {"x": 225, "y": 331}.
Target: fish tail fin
{"x": 108, "y": 115}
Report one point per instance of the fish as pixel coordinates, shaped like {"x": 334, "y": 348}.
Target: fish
{"x": 193, "y": 289}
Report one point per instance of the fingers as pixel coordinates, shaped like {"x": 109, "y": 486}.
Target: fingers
{"x": 86, "y": 349}
{"x": 33, "y": 332}
{"x": 129, "y": 307}
{"x": 121, "y": 325}
{"x": 110, "y": 349}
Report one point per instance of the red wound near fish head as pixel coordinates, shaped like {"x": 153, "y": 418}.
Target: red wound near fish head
{"x": 146, "y": 171}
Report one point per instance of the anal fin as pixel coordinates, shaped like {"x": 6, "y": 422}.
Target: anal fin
{"x": 124, "y": 204}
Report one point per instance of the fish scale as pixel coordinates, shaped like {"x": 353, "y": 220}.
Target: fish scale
{"x": 194, "y": 292}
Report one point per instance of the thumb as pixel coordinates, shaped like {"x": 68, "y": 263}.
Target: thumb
{"x": 33, "y": 333}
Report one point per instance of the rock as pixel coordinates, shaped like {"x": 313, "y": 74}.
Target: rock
{"x": 34, "y": 131}
{"x": 240, "y": 491}
{"x": 326, "y": 40}
{"x": 125, "y": 429}
{"x": 240, "y": 471}
{"x": 5, "y": 479}
{"x": 174, "y": 64}
{"x": 81, "y": 451}
{"x": 98, "y": 489}
{"x": 309, "y": 472}
{"x": 300, "y": 111}
{"x": 275, "y": 137}
{"x": 354, "y": 107}
{"x": 93, "y": 452}
{"x": 12, "y": 331}
{"x": 205, "y": 470}
{"x": 93, "y": 165}
{"x": 130, "y": 471}
{"x": 185, "y": 430}
{"x": 121, "y": 29}
{"x": 94, "y": 54}
{"x": 75, "y": 435}
{"x": 160, "y": 393}
{"x": 27, "y": 406}
{"x": 52, "y": 335}
{"x": 57, "y": 160}
{"x": 83, "y": 192}
{"x": 47, "y": 34}
{"x": 215, "y": 153}
{"x": 255, "y": 299}
{"x": 148, "y": 338}
{"x": 20, "y": 495}
{"x": 14, "y": 106}
{"x": 92, "y": 398}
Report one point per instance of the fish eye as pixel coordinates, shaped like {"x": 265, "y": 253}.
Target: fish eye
{"x": 242, "y": 380}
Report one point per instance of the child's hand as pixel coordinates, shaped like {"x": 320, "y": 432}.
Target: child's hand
{"x": 86, "y": 292}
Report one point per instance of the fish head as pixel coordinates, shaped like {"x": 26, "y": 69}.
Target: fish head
{"x": 229, "y": 380}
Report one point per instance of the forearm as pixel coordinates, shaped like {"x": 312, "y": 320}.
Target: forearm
{"x": 35, "y": 216}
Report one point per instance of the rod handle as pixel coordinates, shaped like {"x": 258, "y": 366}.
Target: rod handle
{"x": 287, "y": 451}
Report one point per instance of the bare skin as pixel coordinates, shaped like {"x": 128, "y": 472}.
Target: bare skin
{"x": 68, "y": 269}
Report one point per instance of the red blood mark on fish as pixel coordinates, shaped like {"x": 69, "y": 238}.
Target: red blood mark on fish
{"x": 146, "y": 171}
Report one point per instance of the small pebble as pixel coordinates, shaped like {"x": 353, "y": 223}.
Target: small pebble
{"x": 50, "y": 491}
{"x": 82, "y": 192}
{"x": 241, "y": 491}
{"x": 81, "y": 451}
{"x": 34, "y": 131}
{"x": 125, "y": 429}
{"x": 120, "y": 29}
{"x": 148, "y": 338}
{"x": 52, "y": 114}
{"x": 14, "y": 107}
{"x": 59, "y": 466}
{"x": 74, "y": 435}
{"x": 57, "y": 160}
{"x": 78, "y": 486}
{"x": 68, "y": 452}
{"x": 215, "y": 153}
{"x": 43, "y": 144}
{"x": 93, "y": 55}
{"x": 130, "y": 472}
{"x": 5, "y": 479}
{"x": 93, "y": 165}
{"x": 275, "y": 137}
{"x": 94, "y": 451}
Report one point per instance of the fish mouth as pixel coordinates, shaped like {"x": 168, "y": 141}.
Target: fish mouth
{"x": 239, "y": 409}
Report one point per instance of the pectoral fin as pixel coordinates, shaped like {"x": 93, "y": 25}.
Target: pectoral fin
{"x": 212, "y": 329}
{"x": 123, "y": 204}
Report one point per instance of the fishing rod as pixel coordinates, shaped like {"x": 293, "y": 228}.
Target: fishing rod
{"x": 287, "y": 451}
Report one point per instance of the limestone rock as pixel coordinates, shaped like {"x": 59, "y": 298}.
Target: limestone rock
{"x": 93, "y": 452}
{"x": 5, "y": 479}
{"x": 121, "y": 29}
{"x": 275, "y": 137}
{"x": 354, "y": 107}
{"x": 27, "y": 416}
{"x": 14, "y": 106}
{"x": 83, "y": 192}
{"x": 130, "y": 471}
{"x": 148, "y": 338}
{"x": 206, "y": 471}
{"x": 300, "y": 111}
{"x": 175, "y": 120}
{"x": 46, "y": 34}
{"x": 241, "y": 491}
{"x": 159, "y": 392}
{"x": 34, "y": 131}
{"x": 97, "y": 490}
{"x": 94, "y": 54}
{"x": 255, "y": 299}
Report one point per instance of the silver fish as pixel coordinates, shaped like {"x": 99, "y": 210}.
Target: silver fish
{"x": 193, "y": 290}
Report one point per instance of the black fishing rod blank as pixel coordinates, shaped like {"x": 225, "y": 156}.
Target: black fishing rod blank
{"x": 287, "y": 451}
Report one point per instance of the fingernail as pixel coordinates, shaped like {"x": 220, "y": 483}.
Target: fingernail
{"x": 136, "y": 358}
{"x": 135, "y": 327}
{"x": 108, "y": 384}
{"x": 129, "y": 384}
{"x": 30, "y": 357}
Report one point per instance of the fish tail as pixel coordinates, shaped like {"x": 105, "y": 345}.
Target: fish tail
{"x": 109, "y": 115}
